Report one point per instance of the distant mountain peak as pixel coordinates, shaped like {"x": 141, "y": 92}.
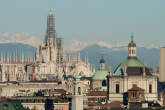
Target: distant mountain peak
{"x": 75, "y": 45}
{"x": 23, "y": 38}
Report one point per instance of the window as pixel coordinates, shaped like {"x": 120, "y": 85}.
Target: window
{"x": 150, "y": 88}
{"x": 74, "y": 91}
{"x": 79, "y": 90}
{"x": 104, "y": 83}
{"x": 140, "y": 95}
{"x": 134, "y": 94}
{"x": 117, "y": 88}
{"x": 134, "y": 85}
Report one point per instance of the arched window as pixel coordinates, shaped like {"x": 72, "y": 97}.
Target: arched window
{"x": 79, "y": 90}
{"x": 129, "y": 51}
{"x": 150, "y": 88}
{"x": 74, "y": 91}
{"x": 104, "y": 83}
{"x": 132, "y": 51}
{"x": 117, "y": 88}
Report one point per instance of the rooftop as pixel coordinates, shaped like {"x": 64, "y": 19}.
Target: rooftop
{"x": 97, "y": 93}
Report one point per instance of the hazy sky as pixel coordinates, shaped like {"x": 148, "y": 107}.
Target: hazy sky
{"x": 108, "y": 20}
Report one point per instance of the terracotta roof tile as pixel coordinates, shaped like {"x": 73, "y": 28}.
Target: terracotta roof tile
{"x": 114, "y": 104}
{"x": 136, "y": 89}
{"x": 97, "y": 93}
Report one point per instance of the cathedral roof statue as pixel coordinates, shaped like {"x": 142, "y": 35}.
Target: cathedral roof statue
{"x": 77, "y": 77}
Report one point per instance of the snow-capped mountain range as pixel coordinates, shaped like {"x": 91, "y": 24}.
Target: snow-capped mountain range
{"x": 75, "y": 45}
{"x": 72, "y": 46}
{"x": 113, "y": 54}
{"x": 23, "y": 38}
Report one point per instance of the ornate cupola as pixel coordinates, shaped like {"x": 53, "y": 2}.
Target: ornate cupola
{"x": 102, "y": 65}
{"x": 131, "y": 48}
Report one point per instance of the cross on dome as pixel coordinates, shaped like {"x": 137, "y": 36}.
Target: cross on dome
{"x": 132, "y": 37}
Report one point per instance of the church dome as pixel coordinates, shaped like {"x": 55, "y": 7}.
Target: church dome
{"x": 129, "y": 62}
{"x": 100, "y": 75}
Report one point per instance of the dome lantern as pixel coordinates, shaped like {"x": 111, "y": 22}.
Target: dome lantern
{"x": 132, "y": 48}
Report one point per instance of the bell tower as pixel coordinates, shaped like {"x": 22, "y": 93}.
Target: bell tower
{"x": 77, "y": 98}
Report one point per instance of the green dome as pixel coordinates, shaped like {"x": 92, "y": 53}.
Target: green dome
{"x": 129, "y": 62}
{"x": 100, "y": 75}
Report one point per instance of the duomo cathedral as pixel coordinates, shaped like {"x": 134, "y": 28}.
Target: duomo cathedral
{"x": 51, "y": 61}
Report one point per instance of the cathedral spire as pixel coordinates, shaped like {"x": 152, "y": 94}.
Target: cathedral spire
{"x": 8, "y": 58}
{"x": 23, "y": 57}
{"x": 86, "y": 58}
{"x": 16, "y": 59}
{"x": 50, "y": 34}
{"x": 1, "y": 58}
{"x": 78, "y": 57}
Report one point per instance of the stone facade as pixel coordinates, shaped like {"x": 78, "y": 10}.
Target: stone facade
{"x": 27, "y": 88}
{"x": 14, "y": 71}
{"x": 126, "y": 83}
{"x": 41, "y": 106}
